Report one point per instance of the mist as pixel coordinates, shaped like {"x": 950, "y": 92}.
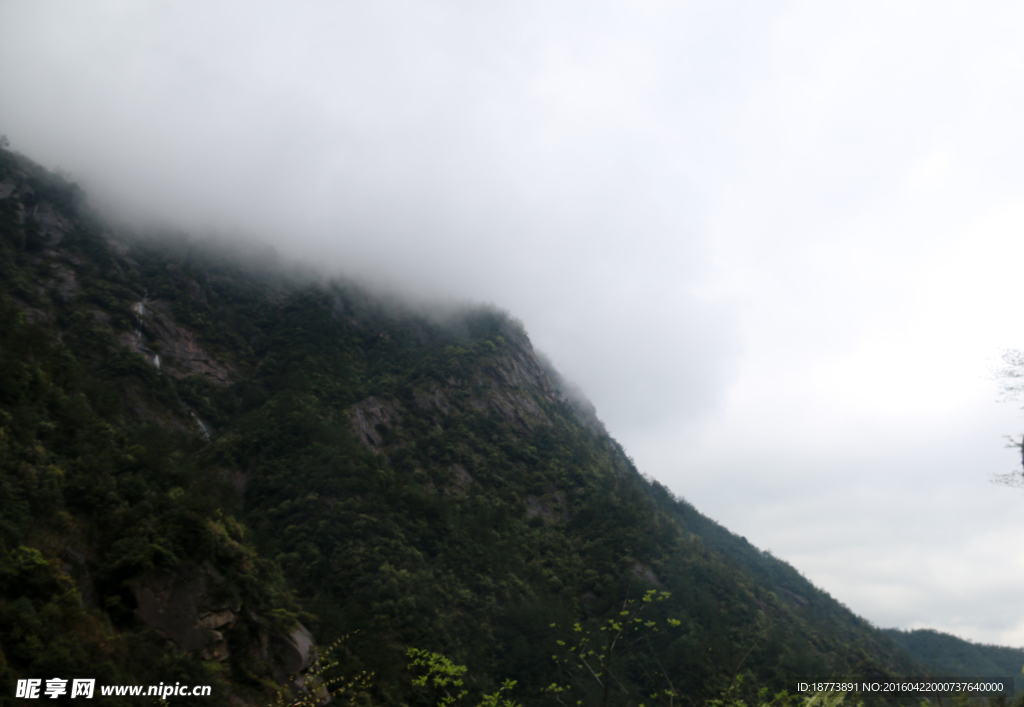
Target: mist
{"x": 774, "y": 243}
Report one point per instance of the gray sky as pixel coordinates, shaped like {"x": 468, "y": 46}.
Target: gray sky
{"x": 777, "y": 243}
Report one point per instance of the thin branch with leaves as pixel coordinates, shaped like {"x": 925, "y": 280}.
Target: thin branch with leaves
{"x": 595, "y": 654}
{"x": 316, "y": 687}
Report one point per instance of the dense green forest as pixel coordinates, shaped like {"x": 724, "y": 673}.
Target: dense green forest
{"x": 209, "y": 460}
{"x": 942, "y": 654}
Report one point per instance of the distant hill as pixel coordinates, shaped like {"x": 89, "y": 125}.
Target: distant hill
{"x": 208, "y": 461}
{"x": 943, "y": 654}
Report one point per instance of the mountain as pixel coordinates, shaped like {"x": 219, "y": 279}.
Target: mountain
{"x": 943, "y": 654}
{"x": 209, "y": 460}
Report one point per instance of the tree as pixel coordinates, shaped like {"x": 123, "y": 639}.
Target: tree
{"x": 446, "y": 679}
{"x": 588, "y": 658}
{"x": 318, "y": 686}
{"x": 1011, "y": 378}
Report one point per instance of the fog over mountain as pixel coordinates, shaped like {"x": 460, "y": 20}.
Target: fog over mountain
{"x": 775, "y": 243}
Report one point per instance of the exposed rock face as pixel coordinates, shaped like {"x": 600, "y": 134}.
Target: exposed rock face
{"x": 511, "y": 386}
{"x": 431, "y": 396}
{"x": 53, "y": 226}
{"x": 646, "y": 573}
{"x": 157, "y": 337}
{"x": 118, "y": 247}
{"x": 64, "y": 281}
{"x": 368, "y": 414}
{"x": 520, "y": 369}
{"x": 296, "y": 651}
{"x": 172, "y": 348}
{"x": 182, "y": 606}
{"x": 179, "y": 605}
{"x": 19, "y": 190}
{"x": 217, "y": 619}
{"x": 461, "y": 480}
{"x": 574, "y": 396}
{"x": 515, "y": 386}
{"x": 798, "y": 601}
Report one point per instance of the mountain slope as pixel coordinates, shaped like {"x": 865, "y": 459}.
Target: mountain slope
{"x": 197, "y": 434}
{"x": 943, "y": 654}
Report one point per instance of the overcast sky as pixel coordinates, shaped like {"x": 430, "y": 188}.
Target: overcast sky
{"x": 778, "y": 244}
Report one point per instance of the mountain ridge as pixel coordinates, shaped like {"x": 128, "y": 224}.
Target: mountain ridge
{"x": 946, "y": 654}
{"x": 275, "y": 458}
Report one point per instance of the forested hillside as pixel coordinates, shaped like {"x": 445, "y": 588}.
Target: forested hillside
{"x": 207, "y": 461}
{"x": 943, "y": 654}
